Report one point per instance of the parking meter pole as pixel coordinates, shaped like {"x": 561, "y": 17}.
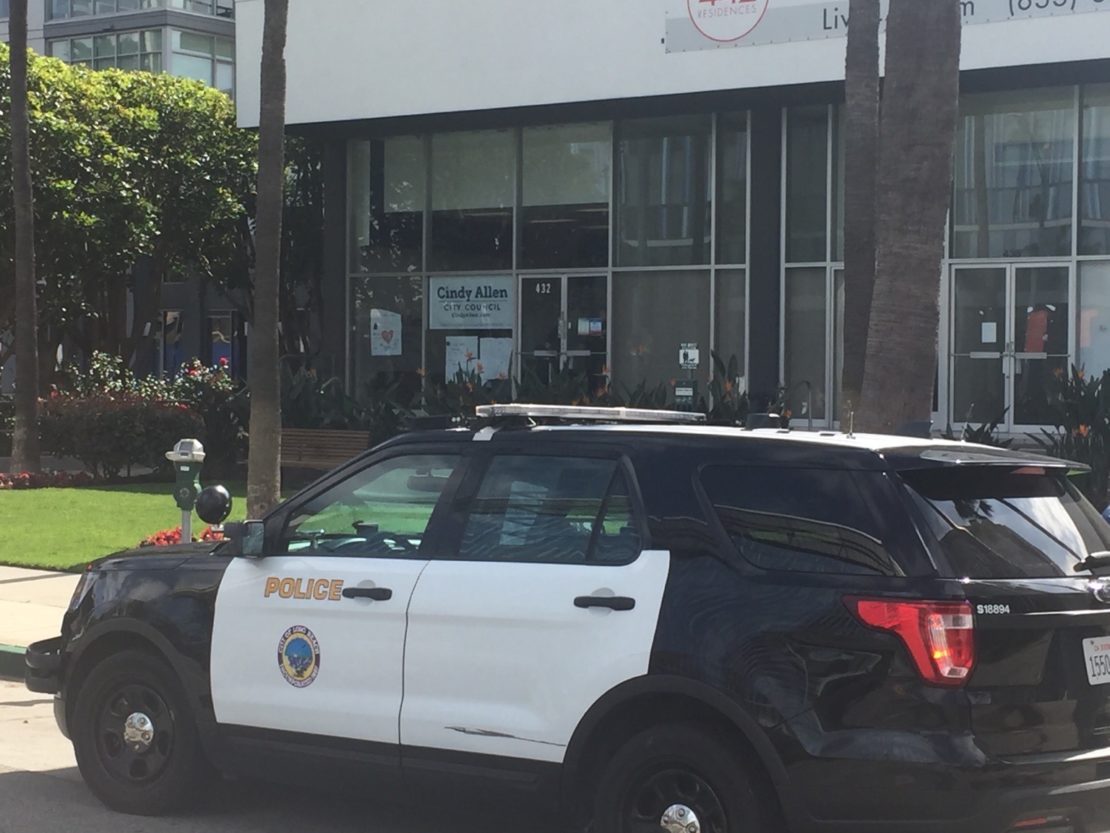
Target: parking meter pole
{"x": 187, "y": 458}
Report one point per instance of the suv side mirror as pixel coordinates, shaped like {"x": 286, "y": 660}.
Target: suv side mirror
{"x": 248, "y": 539}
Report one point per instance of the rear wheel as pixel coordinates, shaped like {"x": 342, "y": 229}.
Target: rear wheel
{"x": 134, "y": 736}
{"x": 677, "y": 778}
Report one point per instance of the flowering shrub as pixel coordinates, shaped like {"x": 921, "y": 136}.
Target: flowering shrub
{"x": 45, "y": 480}
{"x": 170, "y": 537}
{"x": 111, "y": 420}
{"x": 111, "y": 432}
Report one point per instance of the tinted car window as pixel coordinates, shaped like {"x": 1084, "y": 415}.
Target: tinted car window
{"x": 550, "y": 509}
{"x": 1007, "y": 523}
{"x": 380, "y": 510}
{"x": 800, "y": 520}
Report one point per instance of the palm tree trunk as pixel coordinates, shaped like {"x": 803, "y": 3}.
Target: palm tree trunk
{"x": 264, "y": 460}
{"x": 861, "y": 141}
{"x": 917, "y": 137}
{"x": 25, "y": 439}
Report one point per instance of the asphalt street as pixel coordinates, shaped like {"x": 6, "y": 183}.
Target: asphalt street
{"x": 41, "y": 792}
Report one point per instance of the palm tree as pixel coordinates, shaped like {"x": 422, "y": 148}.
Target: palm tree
{"x": 917, "y": 137}
{"x": 264, "y": 459}
{"x": 25, "y": 440}
{"x": 861, "y": 160}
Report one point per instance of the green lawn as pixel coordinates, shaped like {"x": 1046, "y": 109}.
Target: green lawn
{"x": 63, "y": 529}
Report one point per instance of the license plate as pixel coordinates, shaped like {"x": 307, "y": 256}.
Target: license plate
{"x": 1096, "y": 652}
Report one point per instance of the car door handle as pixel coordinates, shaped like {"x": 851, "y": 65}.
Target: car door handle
{"x": 377, "y": 594}
{"x": 611, "y": 602}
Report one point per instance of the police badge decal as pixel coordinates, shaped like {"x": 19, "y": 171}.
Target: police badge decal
{"x": 298, "y": 656}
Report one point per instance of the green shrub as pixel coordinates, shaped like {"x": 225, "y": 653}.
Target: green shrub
{"x": 111, "y": 433}
{"x": 216, "y": 402}
{"x": 1081, "y": 414}
{"x": 223, "y": 403}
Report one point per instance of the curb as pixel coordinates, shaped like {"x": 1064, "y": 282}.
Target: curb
{"x": 11, "y": 662}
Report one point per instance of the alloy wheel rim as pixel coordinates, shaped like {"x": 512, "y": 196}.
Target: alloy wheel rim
{"x": 672, "y": 799}
{"x": 134, "y": 734}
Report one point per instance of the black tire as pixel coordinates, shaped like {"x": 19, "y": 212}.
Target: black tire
{"x": 155, "y": 774}
{"x": 678, "y": 764}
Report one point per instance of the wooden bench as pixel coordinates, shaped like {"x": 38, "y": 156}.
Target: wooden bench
{"x": 320, "y": 449}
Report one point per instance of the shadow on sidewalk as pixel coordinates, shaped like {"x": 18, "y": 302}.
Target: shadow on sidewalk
{"x": 58, "y": 802}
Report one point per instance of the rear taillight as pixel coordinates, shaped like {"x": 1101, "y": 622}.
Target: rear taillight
{"x": 940, "y": 636}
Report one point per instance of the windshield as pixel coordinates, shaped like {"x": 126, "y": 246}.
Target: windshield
{"x": 992, "y": 522}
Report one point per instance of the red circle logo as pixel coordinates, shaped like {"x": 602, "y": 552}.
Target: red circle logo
{"x": 727, "y": 21}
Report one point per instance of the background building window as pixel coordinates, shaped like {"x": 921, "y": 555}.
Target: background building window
{"x": 805, "y": 341}
{"x": 1094, "y": 196}
{"x": 1015, "y": 153}
{"x": 565, "y": 210}
{"x": 126, "y": 50}
{"x": 5, "y": 9}
{"x": 663, "y": 193}
{"x": 807, "y": 143}
{"x": 472, "y": 200}
{"x": 60, "y": 9}
{"x": 388, "y": 187}
{"x": 172, "y": 342}
{"x": 731, "y": 324}
{"x": 732, "y": 188}
{"x": 204, "y": 58}
{"x": 655, "y": 313}
{"x": 1094, "y": 316}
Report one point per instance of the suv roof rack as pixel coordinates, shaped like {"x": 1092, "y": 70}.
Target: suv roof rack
{"x": 576, "y": 413}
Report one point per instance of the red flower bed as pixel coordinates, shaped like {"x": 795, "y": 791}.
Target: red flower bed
{"x": 45, "y": 480}
{"x": 170, "y": 537}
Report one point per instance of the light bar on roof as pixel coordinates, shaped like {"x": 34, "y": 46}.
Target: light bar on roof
{"x": 576, "y": 413}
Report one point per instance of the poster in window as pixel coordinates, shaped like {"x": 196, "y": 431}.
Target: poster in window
{"x": 385, "y": 333}
{"x": 495, "y": 358}
{"x": 462, "y": 355}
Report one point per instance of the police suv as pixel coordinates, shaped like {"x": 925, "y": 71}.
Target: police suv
{"x": 657, "y": 624}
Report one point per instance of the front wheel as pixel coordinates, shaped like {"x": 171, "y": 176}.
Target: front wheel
{"x": 677, "y": 778}
{"x": 134, "y": 736}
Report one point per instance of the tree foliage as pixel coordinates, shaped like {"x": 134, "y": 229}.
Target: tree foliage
{"x": 129, "y": 168}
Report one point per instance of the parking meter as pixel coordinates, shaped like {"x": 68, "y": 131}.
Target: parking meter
{"x": 187, "y": 457}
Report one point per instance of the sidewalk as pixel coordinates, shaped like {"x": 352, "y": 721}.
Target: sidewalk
{"x": 31, "y": 606}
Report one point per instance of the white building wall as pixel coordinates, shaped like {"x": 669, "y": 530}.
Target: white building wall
{"x": 360, "y": 59}
{"x": 36, "y": 18}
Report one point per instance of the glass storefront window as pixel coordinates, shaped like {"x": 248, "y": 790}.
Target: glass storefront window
{"x": 655, "y": 313}
{"x": 805, "y": 357}
{"x": 1094, "y": 196}
{"x": 732, "y": 321}
{"x": 732, "y": 188}
{"x": 1015, "y": 153}
{"x": 1094, "y": 317}
{"x": 663, "y": 196}
{"x": 388, "y": 184}
{"x": 807, "y": 137}
{"x": 565, "y": 190}
{"x": 387, "y": 319}
{"x": 472, "y": 201}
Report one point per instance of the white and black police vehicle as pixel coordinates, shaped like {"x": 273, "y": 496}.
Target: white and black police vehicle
{"x": 650, "y": 623}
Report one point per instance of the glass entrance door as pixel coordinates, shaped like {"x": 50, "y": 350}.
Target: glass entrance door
{"x": 1010, "y": 337}
{"x": 564, "y": 327}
